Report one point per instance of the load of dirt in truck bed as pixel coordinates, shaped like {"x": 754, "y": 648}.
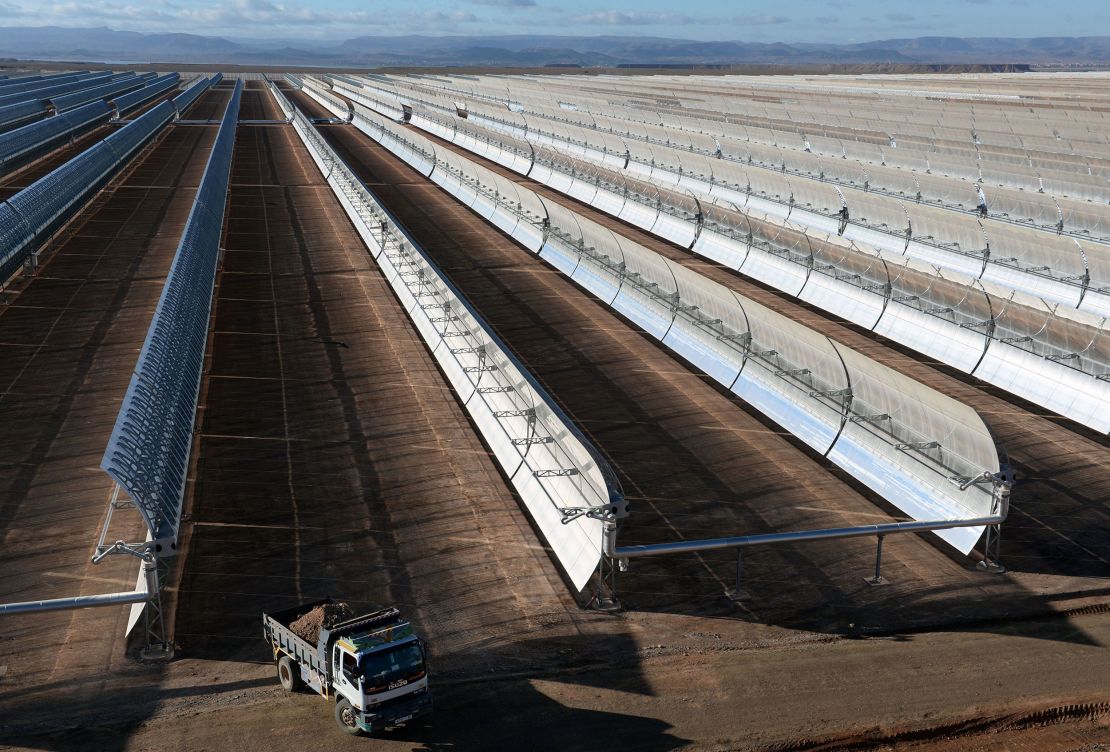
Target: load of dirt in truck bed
{"x": 307, "y": 626}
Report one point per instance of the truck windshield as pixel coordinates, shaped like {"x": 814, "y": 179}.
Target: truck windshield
{"x": 379, "y": 670}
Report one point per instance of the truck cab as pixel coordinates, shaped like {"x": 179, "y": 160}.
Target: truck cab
{"x": 382, "y": 676}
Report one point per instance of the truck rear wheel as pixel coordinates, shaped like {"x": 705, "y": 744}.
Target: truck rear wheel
{"x": 345, "y": 716}
{"x": 288, "y": 674}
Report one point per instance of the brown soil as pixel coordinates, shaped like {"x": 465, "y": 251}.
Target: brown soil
{"x": 308, "y": 626}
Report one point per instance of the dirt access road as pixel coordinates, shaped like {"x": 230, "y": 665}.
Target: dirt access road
{"x": 1038, "y": 685}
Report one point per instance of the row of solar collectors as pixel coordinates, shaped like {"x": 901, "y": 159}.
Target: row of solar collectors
{"x": 981, "y": 328}
{"x": 868, "y": 141}
{"x": 154, "y": 87}
{"x": 22, "y": 83}
{"x": 29, "y": 217}
{"x": 1076, "y": 176}
{"x": 954, "y": 121}
{"x": 1060, "y": 268}
{"x": 319, "y": 90}
{"x": 148, "y": 452}
{"x": 678, "y": 199}
{"x": 58, "y": 89}
{"x": 902, "y": 439}
{"x": 1044, "y": 210}
{"x": 958, "y": 122}
{"x": 1053, "y": 127}
{"x": 1049, "y": 356}
{"x": 242, "y": 76}
{"x": 1017, "y": 167}
{"x": 971, "y": 152}
{"x": 108, "y": 90}
{"x": 23, "y": 144}
{"x": 1055, "y": 267}
{"x": 1056, "y": 131}
{"x": 283, "y": 101}
{"x": 1060, "y": 174}
{"x": 1012, "y": 94}
{"x": 38, "y": 104}
{"x": 1010, "y": 204}
{"x": 193, "y": 91}
{"x": 550, "y": 464}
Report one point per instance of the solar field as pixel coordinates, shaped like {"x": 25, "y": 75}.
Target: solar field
{"x": 715, "y": 411}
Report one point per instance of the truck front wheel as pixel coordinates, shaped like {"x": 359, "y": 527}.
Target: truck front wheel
{"x": 288, "y": 674}
{"x": 345, "y": 716}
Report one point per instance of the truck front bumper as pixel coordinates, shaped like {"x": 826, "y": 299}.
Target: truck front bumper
{"x": 395, "y": 713}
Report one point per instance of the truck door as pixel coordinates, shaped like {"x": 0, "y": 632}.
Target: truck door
{"x": 346, "y": 676}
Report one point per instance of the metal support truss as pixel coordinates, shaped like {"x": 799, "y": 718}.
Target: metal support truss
{"x": 992, "y": 542}
{"x": 156, "y": 644}
{"x": 605, "y": 593}
{"x": 607, "y": 513}
{"x": 563, "y": 472}
{"x": 605, "y": 596}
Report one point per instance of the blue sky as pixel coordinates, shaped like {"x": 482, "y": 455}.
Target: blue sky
{"x": 750, "y": 20}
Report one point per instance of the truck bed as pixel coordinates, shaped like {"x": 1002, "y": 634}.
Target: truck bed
{"x": 276, "y": 628}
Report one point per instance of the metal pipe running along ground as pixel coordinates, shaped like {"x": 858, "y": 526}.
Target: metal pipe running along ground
{"x": 623, "y": 553}
{"x": 150, "y": 572}
{"x": 618, "y": 556}
{"x": 1001, "y": 509}
{"x": 81, "y": 601}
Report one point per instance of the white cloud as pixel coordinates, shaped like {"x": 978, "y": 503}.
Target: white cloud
{"x": 506, "y": 3}
{"x": 237, "y": 18}
{"x": 264, "y": 12}
{"x": 651, "y": 18}
{"x": 436, "y": 17}
{"x": 760, "y": 20}
{"x": 638, "y": 18}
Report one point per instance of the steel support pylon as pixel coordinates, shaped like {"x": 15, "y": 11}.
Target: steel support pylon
{"x": 737, "y": 594}
{"x": 157, "y": 646}
{"x": 992, "y": 543}
{"x": 605, "y": 596}
{"x": 878, "y": 578}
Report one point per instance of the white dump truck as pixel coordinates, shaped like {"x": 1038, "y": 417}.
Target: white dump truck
{"x": 373, "y": 667}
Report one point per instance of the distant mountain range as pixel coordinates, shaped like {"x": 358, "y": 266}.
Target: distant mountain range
{"x": 107, "y": 45}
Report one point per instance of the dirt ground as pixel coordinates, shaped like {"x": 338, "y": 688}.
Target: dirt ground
{"x": 1032, "y": 686}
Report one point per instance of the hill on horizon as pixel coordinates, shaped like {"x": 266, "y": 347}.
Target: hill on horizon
{"x": 112, "y": 46}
